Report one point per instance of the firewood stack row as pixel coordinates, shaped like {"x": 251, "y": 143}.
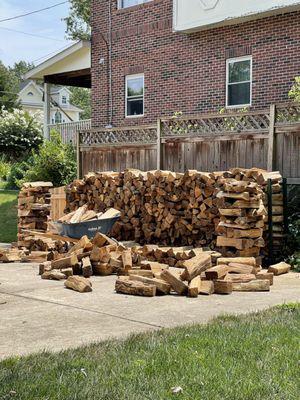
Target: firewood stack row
{"x": 167, "y": 208}
{"x": 242, "y": 218}
{"x": 157, "y": 206}
{"x": 33, "y": 211}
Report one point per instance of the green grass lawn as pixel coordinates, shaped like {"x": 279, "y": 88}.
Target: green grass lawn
{"x": 8, "y": 216}
{"x": 238, "y": 358}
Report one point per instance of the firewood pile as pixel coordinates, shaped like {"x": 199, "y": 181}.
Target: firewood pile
{"x": 149, "y": 270}
{"x": 185, "y": 271}
{"x": 33, "y": 211}
{"x": 242, "y": 218}
{"x": 198, "y": 276}
{"x": 156, "y": 206}
{"x": 167, "y": 208}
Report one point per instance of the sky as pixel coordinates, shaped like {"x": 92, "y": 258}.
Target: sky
{"x": 16, "y": 46}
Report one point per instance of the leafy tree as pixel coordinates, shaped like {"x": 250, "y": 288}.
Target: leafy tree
{"x": 9, "y": 87}
{"x": 78, "y": 21}
{"x": 81, "y": 98}
{"x": 294, "y": 93}
{"x": 20, "y": 132}
{"x": 20, "y": 68}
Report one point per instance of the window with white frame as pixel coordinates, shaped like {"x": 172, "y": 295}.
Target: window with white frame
{"x": 134, "y": 86}
{"x": 130, "y": 3}
{"x": 64, "y": 100}
{"x": 58, "y": 118}
{"x": 239, "y": 82}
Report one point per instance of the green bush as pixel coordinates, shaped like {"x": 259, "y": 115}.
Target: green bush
{"x": 5, "y": 167}
{"x": 294, "y": 241}
{"x": 294, "y": 93}
{"x": 20, "y": 133}
{"x": 17, "y": 173}
{"x": 54, "y": 161}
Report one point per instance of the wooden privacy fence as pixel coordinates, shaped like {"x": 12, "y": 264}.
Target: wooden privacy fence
{"x": 267, "y": 139}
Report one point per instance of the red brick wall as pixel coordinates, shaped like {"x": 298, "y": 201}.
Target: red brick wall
{"x": 186, "y": 72}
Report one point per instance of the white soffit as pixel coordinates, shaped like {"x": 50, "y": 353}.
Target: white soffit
{"x": 74, "y": 58}
{"x": 193, "y": 15}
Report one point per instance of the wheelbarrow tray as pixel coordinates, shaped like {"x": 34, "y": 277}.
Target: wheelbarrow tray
{"x": 88, "y": 228}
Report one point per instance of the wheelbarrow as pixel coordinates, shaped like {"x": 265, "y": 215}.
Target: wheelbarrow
{"x": 88, "y": 228}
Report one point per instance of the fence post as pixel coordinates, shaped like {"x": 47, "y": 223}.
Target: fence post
{"x": 270, "y": 223}
{"x": 158, "y": 146}
{"x": 78, "y": 154}
{"x": 271, "y": 138}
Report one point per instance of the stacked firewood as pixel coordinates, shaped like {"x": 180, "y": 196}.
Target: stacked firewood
{"x": 191, "y": 209}
{"x": 156, "y": 206}
{"x": 33, "y": 211}
{"x": 242, "y": 218}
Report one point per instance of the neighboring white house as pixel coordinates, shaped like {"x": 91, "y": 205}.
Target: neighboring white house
{"x": 31, "y": 97}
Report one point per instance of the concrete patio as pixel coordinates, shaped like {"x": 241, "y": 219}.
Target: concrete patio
{"x": 38, "y": 315}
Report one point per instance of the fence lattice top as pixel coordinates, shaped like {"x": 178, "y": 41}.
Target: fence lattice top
{"x": 288, "y": 113}
{"x": 128, "y": 135}
{"x": 195, "y": 126}
{"x": 216, "y": 124}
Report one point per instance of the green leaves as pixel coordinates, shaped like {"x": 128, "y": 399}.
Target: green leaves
{"x": 54, "y": 161}
{"x": 78, "y": 22}
{"x": 20, "y": 132}
{"x": 294, "y": 93}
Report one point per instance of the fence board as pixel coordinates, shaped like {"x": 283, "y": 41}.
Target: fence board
{"x": 118, "y": 158}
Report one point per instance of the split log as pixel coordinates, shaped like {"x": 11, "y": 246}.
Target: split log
{"x": 207, "y": 288}
{"x": 154, "y": 266}
{"x": 259, "y": 285}
{"x": 54, "y": 274}
{"x": 141, "y": 272}
{"x": 177, "y": 285}
{"x": 161, "y": 286}
{"x": 238, "y": 268}
{"x": 45, "y": 266}
{"x": 240, "y": 278}
{"x": 237, "y": 260}
{"x": 103, "y": 269}
{"x": 87, "y": 269}
{"x": 223, "y": 287}
{"x": 195, "y": 266}
{"x": 79, "y": 284}
{"x": 70, "y": 261}
{"x": 67, "y": 271}
{"x": 135, "y": 288}
{"x": 279, "y": 269}
{"x": 217, "y": 272}
{"x": 127, "y": 259}
{"x": 194, "y": 287}
{"x": 266, "y": 275}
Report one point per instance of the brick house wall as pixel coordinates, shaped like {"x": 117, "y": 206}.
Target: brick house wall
{"x": 186, "y": 72}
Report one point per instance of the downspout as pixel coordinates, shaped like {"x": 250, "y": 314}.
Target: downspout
{"x": 110, "y": 93}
